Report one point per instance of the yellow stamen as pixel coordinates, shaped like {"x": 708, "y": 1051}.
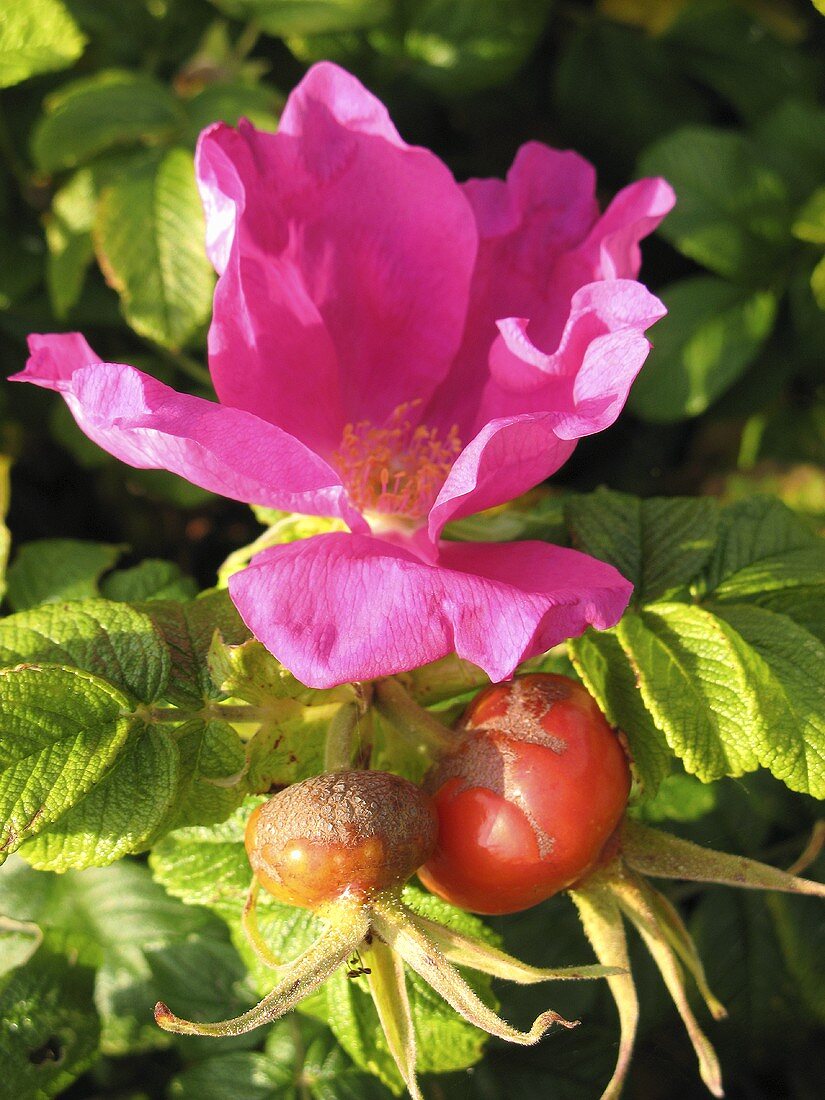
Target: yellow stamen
{"x": 396, "y": 469}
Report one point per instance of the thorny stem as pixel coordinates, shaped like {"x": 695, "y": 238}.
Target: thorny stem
{"x": 394, "y": 703}
{"x": 344, "y": 730}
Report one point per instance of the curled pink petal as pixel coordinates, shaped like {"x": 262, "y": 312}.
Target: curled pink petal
{"x": 149, "y": 425}
{"x": 340, "y": 607}
{"x": 346, "y": 255}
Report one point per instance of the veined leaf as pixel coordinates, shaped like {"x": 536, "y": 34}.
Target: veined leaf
{"x": 36, "y": 36}
{"x": 285, "y": 17}
{"x": 61, "y": 731}
{"x": 53, "y": 570}
{"x": 152, "y": 579}
{"x": 610, "y": 678}
{"x": 733, "y": 213}
{"x": 763, "y": 546}
{"x": 694, "y": 676}
{"x": 110, "y": 640}
{"x": 97, "y": 113}
{"x": 658, "y": 544}
{"x": 68, "y": 236}
{"x": 149, "y": 238}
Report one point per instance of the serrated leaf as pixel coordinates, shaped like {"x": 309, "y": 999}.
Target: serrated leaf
{"x": 149, "y": 239}
{"x": 212, "y": 775}
{"x": 97, "y": 113}
{"x": 805, "y": 604}
{"x": 49, "y": 1031}
{"x": 763, "y": 546}
{"x": 152, "y": 579}
{"x": 143, "y": 944}
{"x": 733, "y": 214}
{"x": 659, "y": 544}
{"x": 786, "y": 677}
{"x": 694, "y": 676}
{"x": 609, "y": 677}
{"x": 188, "y": 629}
{"x": 68, "y": 236}
{"x": 120, "y": 816}
{"x": 117, "y": 643}
{"x": 53, "y": 570}
{"x": 61, "y": 731}
{"x": 712, "y": 333}
{"x": 36, "y": 36}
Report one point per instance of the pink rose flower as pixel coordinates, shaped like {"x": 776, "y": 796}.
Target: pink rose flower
{"x": 397, "y": 350}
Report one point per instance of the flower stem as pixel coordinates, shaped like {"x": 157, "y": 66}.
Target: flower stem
{"x": 394, "y": 703}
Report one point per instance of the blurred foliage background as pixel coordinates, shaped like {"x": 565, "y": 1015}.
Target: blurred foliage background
{"x": 100, "y": 107}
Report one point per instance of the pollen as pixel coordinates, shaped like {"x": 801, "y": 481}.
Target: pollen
{"x": 399, "y": 468}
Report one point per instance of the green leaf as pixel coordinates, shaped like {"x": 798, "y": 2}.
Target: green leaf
{"x": 810, "y": 220}
{"x": 286, "y": 17}
{"x": 230, "y": 103}
{"x": 658, "y": 544}
{"x": 733, "y": 214}
{"x": 805, "y": 604}
{"x": 18, "y": 942}
{"x": 301, "y": 1060}
{"x": 793, "y": 140}
{"x": 68, "y": 236}
{"x": 641, "y": 93}
{"x": 61, "y": 731}
{"x": 763, "y": 546}
{"x": 731, "y": 51}
{"x": 610, "y": 678}
{"x": 188, "y": 629}
{"x": 712, "y": 333}
{"x": 213, "y": 774}
{"x": 694, "y": 674}
{"x": 53, "y": 570}
{"x": 679, "y": 798}
{"x": 143, "y": 944}
{"x": 458, "y": 48}
{"x": 152, "y": 579}
{"x": 120, "y": 816}
{"x": 49, "y": 1031}
{"x": 97, "y": 113}
{"x": 114, "y": 642}
{"x": 5, "y": 534}
{"x": 36, "y": 36}
{"x": 149, "y": 239}
{"x": 786, "y": 676}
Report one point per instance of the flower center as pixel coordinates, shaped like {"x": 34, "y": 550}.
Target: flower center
{"x": 397, "y": 469}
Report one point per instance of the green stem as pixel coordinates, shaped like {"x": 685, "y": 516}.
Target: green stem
{"x": 224, "y": 711}
{"x": 340, "y": 741}
{"x": 394, "y": 703}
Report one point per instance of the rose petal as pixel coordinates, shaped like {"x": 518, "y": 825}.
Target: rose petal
{"x": 345, "y": 288}
{"x": 338, "y": 607}
{"x": 151, "y": 426}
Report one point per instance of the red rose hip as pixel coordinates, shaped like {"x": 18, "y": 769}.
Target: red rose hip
{"x": 530, "y": 798}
